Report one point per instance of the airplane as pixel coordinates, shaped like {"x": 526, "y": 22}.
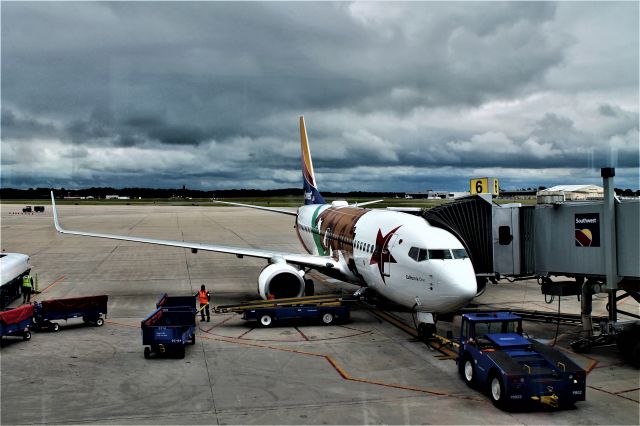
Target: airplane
{"x": 397, "y": 255}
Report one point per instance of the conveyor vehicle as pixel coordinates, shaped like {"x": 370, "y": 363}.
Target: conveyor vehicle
{"x": 327, "y": 314}
{"x": 325, "y": 308}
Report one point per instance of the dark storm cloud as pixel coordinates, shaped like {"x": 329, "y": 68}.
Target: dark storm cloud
{"x": 215, "y": 88}
{"x": 14, "y": 127}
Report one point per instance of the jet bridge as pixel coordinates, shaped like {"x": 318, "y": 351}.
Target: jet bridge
{"x": 562, "y": 239}
{"x": 596, "y": 243}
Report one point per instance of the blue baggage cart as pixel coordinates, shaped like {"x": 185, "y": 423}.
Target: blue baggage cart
{"x": 168, "y": 329}
{"x": 90, "y": 308}
{"x": 17, "y": 322}
{"x": 184, "y": 303}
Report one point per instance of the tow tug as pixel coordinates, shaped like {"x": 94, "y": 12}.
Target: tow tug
{"x": 493, "y": 354}
{"x": 326, "y": 308}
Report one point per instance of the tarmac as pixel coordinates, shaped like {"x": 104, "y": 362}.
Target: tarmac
{"x": 368, "y": 371}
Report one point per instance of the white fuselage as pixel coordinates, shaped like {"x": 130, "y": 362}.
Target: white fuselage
{"x": 399, "y": 255}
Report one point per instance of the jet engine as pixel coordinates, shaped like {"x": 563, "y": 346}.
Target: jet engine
{"x": 281, "y": 280}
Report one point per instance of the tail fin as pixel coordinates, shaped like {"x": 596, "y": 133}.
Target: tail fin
{"x": 311, "y": 193}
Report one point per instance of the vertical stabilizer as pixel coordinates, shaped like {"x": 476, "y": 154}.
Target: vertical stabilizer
{"x": 311, "y": 194}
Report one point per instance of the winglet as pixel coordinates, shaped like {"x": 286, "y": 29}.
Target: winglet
{"x": 55, "y": 214}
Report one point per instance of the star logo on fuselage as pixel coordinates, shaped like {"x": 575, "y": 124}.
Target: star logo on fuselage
{"x": 381, "y": 254}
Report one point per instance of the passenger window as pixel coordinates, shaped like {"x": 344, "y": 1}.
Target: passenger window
{"x": 440, "y": 254}
{"x": 459, "y": 253}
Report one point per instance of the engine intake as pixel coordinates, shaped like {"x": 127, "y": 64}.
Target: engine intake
{"x": 281, "y": 280}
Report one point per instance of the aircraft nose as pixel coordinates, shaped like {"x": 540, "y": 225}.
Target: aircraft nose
{"x": 461, "y": 285}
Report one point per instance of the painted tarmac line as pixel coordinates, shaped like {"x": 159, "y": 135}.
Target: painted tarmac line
{"x": 343, "y": 373}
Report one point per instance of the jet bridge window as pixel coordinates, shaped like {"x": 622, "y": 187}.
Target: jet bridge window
{"x": 440, "y": 254}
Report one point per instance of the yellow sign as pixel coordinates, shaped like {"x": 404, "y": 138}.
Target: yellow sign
{"x": 484, "y": 186}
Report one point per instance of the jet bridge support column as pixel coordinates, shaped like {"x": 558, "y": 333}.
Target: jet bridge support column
{"x": 586, "y": 304}
{"x": 609, "y": 228}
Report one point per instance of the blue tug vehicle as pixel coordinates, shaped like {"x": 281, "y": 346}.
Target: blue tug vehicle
{"x": 495, "y": 356}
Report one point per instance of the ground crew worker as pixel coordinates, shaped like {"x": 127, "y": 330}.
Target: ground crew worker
{"x": 27, "y": 288}
{"x": 204, "y": 297}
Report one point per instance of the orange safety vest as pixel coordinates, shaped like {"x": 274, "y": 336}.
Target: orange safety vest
{"x": 203, "y": 297}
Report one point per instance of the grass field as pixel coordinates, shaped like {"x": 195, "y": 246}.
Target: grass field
{"x": 290, "y": 201}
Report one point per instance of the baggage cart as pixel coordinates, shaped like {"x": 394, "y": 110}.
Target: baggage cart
{"x": 17, "y": 322}
{"x": 168, "y": 329}
{"x": 89, "y": 308}
{"x": 180, "y": 303}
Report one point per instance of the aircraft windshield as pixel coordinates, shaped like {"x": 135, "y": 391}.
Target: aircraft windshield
{"x": 459, "y": 253}
{"x": 420, "y": 254}
{"x": 440, "y": 254}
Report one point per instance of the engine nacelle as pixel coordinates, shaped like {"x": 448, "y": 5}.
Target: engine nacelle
{"x": 281, "y": 280}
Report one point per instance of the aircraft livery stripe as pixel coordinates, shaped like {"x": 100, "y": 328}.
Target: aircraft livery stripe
{"x": 316, "y": 232}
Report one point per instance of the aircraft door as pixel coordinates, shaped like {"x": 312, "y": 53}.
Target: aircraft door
{"x": 385, "y": 256}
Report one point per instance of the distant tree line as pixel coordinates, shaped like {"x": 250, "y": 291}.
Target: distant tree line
{"x": 43, "y": 193}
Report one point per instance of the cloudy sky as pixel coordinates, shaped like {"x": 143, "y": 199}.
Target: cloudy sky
{"x": 396, "y": 96}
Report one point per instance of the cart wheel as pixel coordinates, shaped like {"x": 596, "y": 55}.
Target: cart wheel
{"x": 266, "y": 320}
{"x": 100, "y": 322}
{"x": 496, "y": 390}
{"x": 85, "y": 319}
{"x": 193, "y": 339}
{"x": 26, "y": 335}
{"x": 55, "y": 326}
{"x": 180, "y": 352}
{"x": 327, "y": 318}
{"x": 147, "y": 352}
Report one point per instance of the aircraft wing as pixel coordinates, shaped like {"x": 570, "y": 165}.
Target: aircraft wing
{"x": 365, "y": 203}
{"x": 251, "y": 206}
{"x": 307, "y": 260}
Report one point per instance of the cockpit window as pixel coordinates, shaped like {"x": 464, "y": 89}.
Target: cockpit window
{"x": 418, "y": 254}
{"x": 439, "y": 254}
{"x": 459, "y": 253}
{"x": 413, "y": 253}
{"x": 422, "y": 255}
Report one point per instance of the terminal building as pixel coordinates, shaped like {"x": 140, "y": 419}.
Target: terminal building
{"x": 562, "y": 193}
